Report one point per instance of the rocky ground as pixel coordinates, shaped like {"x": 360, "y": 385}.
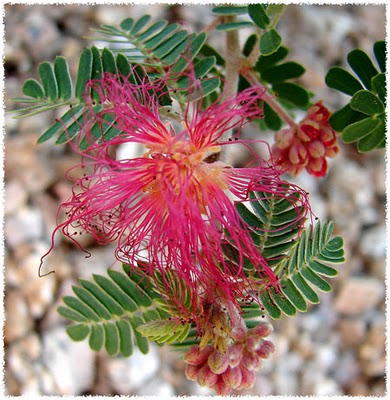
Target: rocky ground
{"x": 338, "y": 348}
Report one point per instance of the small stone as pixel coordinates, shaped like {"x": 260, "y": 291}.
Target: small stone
{"x": 372, "y": 352}
{"x": 358, "y": 295}
{"x": 157, "y": 388}
{"x": 25, "y": 225}
{"x": 17, "y": 317}
{"x": 130, "y": 374}
{"x": 15, "y": 196}
{"x": 71, "y": 364}
{"x": 352, "y": 331}
{"x": 373, "y": 242}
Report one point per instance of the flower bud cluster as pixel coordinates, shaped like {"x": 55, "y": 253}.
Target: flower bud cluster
{"x": 308, "y": 144}
{"x": 233, "y": 368}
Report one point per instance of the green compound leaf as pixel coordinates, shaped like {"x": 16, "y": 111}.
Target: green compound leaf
{"x": 301, "y": 259}
{"x": 78, "y": 332}
{"x": 351, "y": 120}
{"x": 33, "y": 88}
{"x": 271, "y": 118}
{"x": 259, "y": 15}
{"x": 282, "y": 72}
{"x": 108, "y": 311}
{"x": 164, "y": 331}
{"x": 343, "y": 117}
{"x": 229, "y": 10}
{"x": 378, "y": 84}
{"x": 341, "y": 80}
{"x": 48, "y": 79}
{"x": 270, "y": 42}
{"x": 291, "y": 92}
{"x": 360, "y": 129}
{"x": 265, "y": 62}
{"x": 83, "y": 74}
{"x": 63, "y": 78}
{"x": 233, "y": 26}
{"x": 363, "y": 67}
{"x": 367, "y": 103}
{"x": 380, "y": 54}
{"x": 304, "y": 268}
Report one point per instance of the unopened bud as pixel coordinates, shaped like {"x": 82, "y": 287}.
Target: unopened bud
{"x": 308, "y": 130}
{"x": 247, "y": 379}
{"x": 192, "y": 372}
{"x": 195, "y": 356}
{"x": 327, "y": 136}
{"x": 332, "y": 151}
{"x": 235, "y": 353}
{"x": 221, "y": 388}
{"x": 232, "y": 377}
{"x": 316, "y": 148}
{"x": 317, "y": 166}
{"x": 218, "y": 361}
{"x": 266, "y": 349}
{"x": 263, "y": 329}
{"x": 251, "y": 360}
{"x": 284, "y": 138}
{"x": 206, "y": 377}
{"x": 238, "y": 333}
{"x": 297, "y": 153}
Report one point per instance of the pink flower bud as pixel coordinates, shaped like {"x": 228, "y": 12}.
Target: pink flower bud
{"x": 195, "y": 356}
{"x": 284, "y": 138}
{"x": 238, "y": 333}
{"x": 318, "y": 112}
{"x": 327, "y": 136}
{"x": 235, "y": 353}
{"x": 308, "y": 130}
{"x": 251, "y": 360}
{"x": 232, "y": 377}
{"x": 298, "y": 153}
{"x": 206, "y": 377}
{"x": 263, "y": 329}
{"x": 332, "y": 151}
{"x": 221, "y": 388}
{"x": 218, "y": 361}
{"x": 247, "y": 379}
{"x": 192, "y": 372}
{"x": 317, "y": 166}
{"x": 316, "y": 148}
{"x": 253, "y": 342}
{"x": 266, "y": 349}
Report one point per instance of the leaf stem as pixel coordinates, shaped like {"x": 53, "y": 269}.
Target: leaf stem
{"x": 270, "y": 100}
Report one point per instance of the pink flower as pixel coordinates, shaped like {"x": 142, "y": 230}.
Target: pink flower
{"x": 169, "y": 209}
{"x": 308, "y": 145}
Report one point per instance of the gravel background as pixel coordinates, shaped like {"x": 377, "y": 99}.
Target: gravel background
{"x": 338, "y": 348}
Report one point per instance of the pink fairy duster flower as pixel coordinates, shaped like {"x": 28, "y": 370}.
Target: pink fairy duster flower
{"x": 169, "y": 209}
{"x": 308, "y": 144}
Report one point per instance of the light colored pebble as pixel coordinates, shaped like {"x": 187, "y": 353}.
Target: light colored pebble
{"x": 373, "y": 243}
{"x": 71, "y": 364}
{"x": 25, "y": 225}
{"x": 18, "y": 320}
{"x": 130, "y": 374}
{"x": 15, "y": 196}
{"x": 358, "y": 295}
{"x": 352, "y": 331}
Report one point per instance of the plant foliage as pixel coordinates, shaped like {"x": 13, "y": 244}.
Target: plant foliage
{"x": 363, "y": 119}
{"x": 301, "y": 260}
